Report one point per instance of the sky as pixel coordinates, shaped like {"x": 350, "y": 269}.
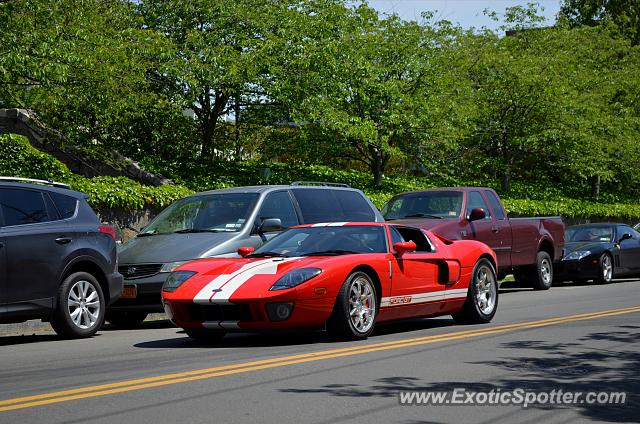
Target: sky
{"x": 468, "y": 13}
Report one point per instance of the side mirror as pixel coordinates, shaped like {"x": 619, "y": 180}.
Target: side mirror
{"x": 404, "y": 247}
{"x": 245, "y": 251}
{"x": 625, "y": 236}
{"x": 477, "y": 214}
{"x": 270, "y": 225}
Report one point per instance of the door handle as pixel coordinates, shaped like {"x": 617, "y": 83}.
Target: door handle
{"x": 63, "y": 240}
{"x": 1, "y": 245}
{"x": 495, "y": 230}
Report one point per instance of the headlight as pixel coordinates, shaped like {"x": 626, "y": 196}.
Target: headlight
{"x": 295, "y": 278}
{"x": 577, "y": 255}
{"x": 175, "y": 280}
{"x": 169, "y": 267}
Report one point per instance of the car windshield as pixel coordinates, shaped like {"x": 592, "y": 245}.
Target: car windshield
{"x": 326, "y": 241}
{"x": 594, "y": 233}
{"x": 430, "y": 204}
{"x": 206, "y": 213}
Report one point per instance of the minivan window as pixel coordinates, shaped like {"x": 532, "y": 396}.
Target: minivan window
{"x": 66, "y": 205}
{"x": 332, "y": 206}
{"x": 278, "y": 205}
{"x": 21, "y": 207}
{"x": 227, "y": 212}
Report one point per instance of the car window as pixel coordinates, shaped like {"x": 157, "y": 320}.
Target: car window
{"x": 475, "y": 200}
{"x": 622, "y": 229}
{"x": 324, "y": 205}
{"x": 428, "y": 204}
{"x": 66, "y": 205}
{"x": 416, "y": 236}
{"x": 495, "y": 204}
{"x": 278, "y": 205}
{"x": 21, "y": 207}
{"x": 396, "y": 237}
{"x": 354, "y": 206}
{"x": 591, "y": 233}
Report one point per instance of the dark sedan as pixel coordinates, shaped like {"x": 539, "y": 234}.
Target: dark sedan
{"x": 599, "y": 252}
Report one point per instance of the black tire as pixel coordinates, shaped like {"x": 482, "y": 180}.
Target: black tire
{"x": 472, "y": 312}
{"x": 541, "y": 276}
{"x": 205, "y": 335}
{"x": 84, "y": 319}
{"x": 126, "y": 320}
{"x": 605, "y": 269}
{"x": 340, "y": 324}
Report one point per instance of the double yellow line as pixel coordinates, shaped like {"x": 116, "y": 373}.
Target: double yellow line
{"x": 201, "y": 374}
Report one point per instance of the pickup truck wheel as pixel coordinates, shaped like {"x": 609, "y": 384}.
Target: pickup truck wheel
{"x": 541, "y": 278}
{"x": 482, "y": 296}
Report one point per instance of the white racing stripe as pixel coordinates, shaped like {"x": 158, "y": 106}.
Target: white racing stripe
{"x": 414, "y": 298}
{"x": 329, "y": 224}
{"x": 221, "y": 288}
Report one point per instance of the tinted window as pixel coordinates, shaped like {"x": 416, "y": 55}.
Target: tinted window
{"x": 320, "y": 205}
{"x": 594, "y": 233}
{"x": 278, "y": 205}
{"x": 475, "y": 200}
{"x": 66, "y": 205}
{"x": 495, "y": 205}
{"x": 623, "y": 229}
{"x": 23, "y": 207}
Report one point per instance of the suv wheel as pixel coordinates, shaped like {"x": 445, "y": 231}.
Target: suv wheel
{"x": 80, "y": 306}
{"x": 126, "y": 319}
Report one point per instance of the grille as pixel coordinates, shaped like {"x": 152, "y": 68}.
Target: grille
{"x": 139, "y": 270}
{"x": 221, "y": 313}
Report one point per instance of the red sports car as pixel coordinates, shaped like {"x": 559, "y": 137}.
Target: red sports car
{"x": 345, "y": 276}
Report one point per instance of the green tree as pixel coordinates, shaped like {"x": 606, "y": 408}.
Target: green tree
{"x": 377, "y": 87}
{"x": 624, "y": 13}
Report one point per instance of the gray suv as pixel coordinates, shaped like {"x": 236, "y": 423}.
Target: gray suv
{"x": 57, "y": 262}
{"x": 215, "y": 224}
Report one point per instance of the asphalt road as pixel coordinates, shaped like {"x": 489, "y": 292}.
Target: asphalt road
{"x": 572, "y": 338}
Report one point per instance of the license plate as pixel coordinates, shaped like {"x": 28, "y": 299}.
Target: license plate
{"x": 129, "y": 292}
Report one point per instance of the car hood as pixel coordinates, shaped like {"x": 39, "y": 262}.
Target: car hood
{"x": 163, "y": 248}
{"x": 584, "y": 245}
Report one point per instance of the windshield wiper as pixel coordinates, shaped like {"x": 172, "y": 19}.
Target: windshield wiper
{"x": 265, "y": 254}
{"x": 334, "y": 252}
{"x": 422, "y": 215}
{"x": 197, "y": 230}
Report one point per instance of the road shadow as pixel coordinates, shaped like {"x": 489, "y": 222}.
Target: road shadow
{"x": 27, "y": 339}
{"x": 294, "y": 337}
{"x": 146, "y": 325}
{"x": 578, "y": 366}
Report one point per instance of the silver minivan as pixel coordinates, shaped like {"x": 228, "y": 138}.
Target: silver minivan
{"x": 215, "y": 224}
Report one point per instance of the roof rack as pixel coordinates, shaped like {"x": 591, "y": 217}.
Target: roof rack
{"x": 33, "y": 180}
{"x": 319, "y": 183}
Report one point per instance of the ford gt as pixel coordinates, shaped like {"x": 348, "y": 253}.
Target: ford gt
{"x": 344, "y": 277}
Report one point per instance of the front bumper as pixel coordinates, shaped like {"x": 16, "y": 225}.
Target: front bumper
{"x": 148, "y": 294}
{"x": 248, "y": 315}
{"x": 587, "y": 268}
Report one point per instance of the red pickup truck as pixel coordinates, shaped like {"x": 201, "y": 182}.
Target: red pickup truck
{"x": 526, "y": 247}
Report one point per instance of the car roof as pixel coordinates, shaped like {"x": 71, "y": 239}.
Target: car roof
{"x": 60, "y": 190}
{"x": 595, "y": 224}
{"x": 459, "y": 189}
{"x": 266, "y": 188}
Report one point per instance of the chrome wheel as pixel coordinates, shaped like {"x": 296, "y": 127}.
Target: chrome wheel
{"x": 606, "y": 267}
{"x": 486, "y": 290}
{"x": 83, "y": 304}
{"x": 362, "y": 304}
{"x": 546, "y": 272}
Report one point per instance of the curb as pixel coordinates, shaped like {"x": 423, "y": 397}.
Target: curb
{"x": 37, "y": 327}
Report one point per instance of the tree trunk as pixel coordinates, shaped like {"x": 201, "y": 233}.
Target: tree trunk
{"x": 506, "y": 179}
{"x": 238, "y": 147}
{"x": 595, "y": 187}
